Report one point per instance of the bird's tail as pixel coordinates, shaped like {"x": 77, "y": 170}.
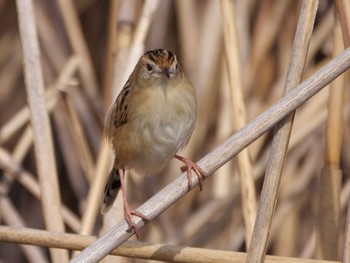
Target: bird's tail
{"x": 111, "y": 190}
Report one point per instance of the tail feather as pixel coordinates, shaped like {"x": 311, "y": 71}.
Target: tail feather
{"x": 111, "y": 190}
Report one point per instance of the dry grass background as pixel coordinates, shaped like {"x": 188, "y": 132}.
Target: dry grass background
{"x": 87, "y": 49}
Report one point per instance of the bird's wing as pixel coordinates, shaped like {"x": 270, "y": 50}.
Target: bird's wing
{"x": 117, "y": 115}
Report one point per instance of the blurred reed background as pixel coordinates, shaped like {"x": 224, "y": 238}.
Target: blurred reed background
{"x": 87, "y": 50}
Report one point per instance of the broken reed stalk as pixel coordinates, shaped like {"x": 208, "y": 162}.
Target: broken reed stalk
{"x": 134, "y": 249}
{"x": 222, "y": 154}
{"x": 282, "y": 131}
{"x": 233, "y": 65}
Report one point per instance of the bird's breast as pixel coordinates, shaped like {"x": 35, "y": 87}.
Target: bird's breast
{"x": 161, "y": 130}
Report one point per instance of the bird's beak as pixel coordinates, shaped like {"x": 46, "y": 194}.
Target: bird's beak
{"x": 166, "y": 72}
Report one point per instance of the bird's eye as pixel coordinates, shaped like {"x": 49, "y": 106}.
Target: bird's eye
{"x": 149, "y": 67}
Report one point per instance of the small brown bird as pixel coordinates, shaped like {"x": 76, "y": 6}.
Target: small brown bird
{"x": 150, "y": 121}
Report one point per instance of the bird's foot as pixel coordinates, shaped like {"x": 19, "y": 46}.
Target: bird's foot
{"x": 188, "y": 167}
{"x": 128, "y": 213}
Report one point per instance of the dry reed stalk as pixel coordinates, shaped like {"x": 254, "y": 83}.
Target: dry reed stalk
{"x": 282, "y": 131}
{"x": 79, "y": 46}
{"x": 79, "y": 139}
{"x": 331, "y": 175}
{"x": 11, "y": 217}
{"x": 239, "y": 115}
{"x": 135, "y": 249}
{"x": 343, "y": 10}
{"x": 13, "y": 170}
{"x": 112, "y": 33}
{"x": 212, "y": 161}
{"x": 45, "y": 161}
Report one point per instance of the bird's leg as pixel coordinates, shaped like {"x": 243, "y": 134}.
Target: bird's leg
{"x": 189, "y": 165}
{"x": 128, "y": 212}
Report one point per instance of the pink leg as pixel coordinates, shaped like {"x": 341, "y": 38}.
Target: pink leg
{"x": 189, "y": 165}
{"x": 128, "y": 212}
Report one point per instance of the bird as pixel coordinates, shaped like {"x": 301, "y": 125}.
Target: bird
{"x": 150, "y": 121}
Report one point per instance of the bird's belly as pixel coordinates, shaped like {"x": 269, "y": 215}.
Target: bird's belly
{"x": 157, "y": 145}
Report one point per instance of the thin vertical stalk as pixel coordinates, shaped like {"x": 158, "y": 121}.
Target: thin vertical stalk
{"x": 239, "y": 115}
{"x": 110, "y": 50}
{"x": 44, "y": 154}
{"x": 257, "y": 249}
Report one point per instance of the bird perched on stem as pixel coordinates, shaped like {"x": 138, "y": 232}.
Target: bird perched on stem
{"x": 150, "y": 121}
